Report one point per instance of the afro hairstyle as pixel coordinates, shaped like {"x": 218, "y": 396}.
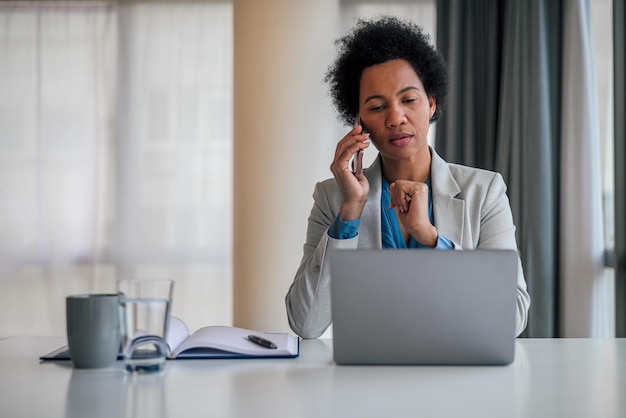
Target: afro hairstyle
{"x": 376, "y": 41}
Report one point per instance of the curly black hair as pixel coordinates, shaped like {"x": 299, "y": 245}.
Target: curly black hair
{"x": 376, "y": 41}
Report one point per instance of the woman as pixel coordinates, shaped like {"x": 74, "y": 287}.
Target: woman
{"x": 391, "y": 83}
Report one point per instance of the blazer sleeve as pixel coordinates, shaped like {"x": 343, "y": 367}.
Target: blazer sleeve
{"x": 498, "y": 231}
{"x": 308, "y": 298}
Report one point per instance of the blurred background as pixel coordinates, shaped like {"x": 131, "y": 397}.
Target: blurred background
{"x": 183, "y": 139}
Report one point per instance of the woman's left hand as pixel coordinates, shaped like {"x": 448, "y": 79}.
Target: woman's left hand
{"x": 410, "y": 200}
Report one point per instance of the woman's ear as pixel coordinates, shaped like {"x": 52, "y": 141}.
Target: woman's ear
{"x": 432, "y": 104}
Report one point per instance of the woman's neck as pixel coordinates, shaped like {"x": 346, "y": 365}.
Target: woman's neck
{"x": 417, "y": 168}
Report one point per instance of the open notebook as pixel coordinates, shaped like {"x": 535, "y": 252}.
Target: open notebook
{"x": 215, "y": 341}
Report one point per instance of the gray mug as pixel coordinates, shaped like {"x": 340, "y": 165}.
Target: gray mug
{"x": 93, "y": 329}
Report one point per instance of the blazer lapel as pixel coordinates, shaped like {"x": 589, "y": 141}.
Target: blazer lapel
{"x": 369, "y": 234}
{"x": 448, "y": 211}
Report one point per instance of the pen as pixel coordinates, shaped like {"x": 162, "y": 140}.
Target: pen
{"x": 262, "y": 341}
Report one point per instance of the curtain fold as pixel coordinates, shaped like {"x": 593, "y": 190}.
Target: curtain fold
{"x": 528, "y": 142}
{"x": 469, "y": 35}
{"x": 581, "y": 217}
{"x": 546, "y": 145}
{"x": 55, "y": 137}
{"x": 521, "y": 77}
{"x": 619, "y": 42}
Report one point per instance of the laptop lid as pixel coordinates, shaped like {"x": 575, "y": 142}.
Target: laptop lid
{"x": 423, "y": 306}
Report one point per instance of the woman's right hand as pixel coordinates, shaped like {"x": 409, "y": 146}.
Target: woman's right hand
{"x": 354, "y": 186}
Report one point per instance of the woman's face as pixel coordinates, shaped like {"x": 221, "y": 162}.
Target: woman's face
{"x": 394, "y": 108}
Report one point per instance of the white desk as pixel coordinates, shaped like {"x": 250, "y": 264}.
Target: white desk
{"x": 549, "y": 378}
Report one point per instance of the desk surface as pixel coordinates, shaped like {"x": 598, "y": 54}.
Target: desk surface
{"x": 549, "y": 378}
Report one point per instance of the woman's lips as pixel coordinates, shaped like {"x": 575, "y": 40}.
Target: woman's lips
{"x": 400, "y": 140}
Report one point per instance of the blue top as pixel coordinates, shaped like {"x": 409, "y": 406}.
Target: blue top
{"x": 390, "y": 227}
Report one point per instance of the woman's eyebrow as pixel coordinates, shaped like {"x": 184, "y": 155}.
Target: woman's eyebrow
{"x": 373, "y": 97}
{"x": 379, "y": 96}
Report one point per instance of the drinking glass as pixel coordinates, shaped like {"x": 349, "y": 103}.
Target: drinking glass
{"x": 145, "y": 307}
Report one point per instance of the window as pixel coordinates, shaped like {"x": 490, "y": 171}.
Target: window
{"x": 115, "y": 154}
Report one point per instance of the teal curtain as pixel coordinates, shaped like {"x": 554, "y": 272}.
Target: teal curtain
{"x": 503, "y": 115}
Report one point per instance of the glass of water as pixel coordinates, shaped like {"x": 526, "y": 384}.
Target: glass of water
{"x": 145, "y": 307}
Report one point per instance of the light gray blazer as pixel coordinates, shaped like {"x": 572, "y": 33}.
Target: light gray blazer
{"x": 470, "y": 208}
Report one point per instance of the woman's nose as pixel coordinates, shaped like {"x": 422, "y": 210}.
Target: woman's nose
{"x": 396, "y": 117}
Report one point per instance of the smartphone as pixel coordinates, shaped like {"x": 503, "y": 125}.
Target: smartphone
{"x": 356, "y": 161}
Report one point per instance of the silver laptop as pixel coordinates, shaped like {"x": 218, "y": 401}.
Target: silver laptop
{"x": 433, "y": 307}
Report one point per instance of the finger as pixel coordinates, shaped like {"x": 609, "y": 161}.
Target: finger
{"x": 404, "y": 197}
{"x": 398, "y": 198}
{"x": 350, "y": 144}
{"x": 347, "y": 140}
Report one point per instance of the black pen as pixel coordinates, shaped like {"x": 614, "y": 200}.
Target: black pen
{"x": 262, "y": 342}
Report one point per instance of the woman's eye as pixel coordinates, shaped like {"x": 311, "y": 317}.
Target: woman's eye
{"x": 410, "y": 100}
